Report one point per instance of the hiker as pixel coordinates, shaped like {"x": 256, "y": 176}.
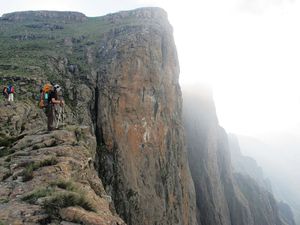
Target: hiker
{"x": 5, "y": 93}
{"x": 53, "y": 100}
{"x": 10, "y": 91}
{"x": 50, "y": 98}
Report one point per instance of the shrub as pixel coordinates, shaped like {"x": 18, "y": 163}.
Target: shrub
{"x": 66, "y": 185}
{"x": 28, "y": 171}
{"x": 6, "y": 151}
{"x": 33, "y": 197}
{"x": 6, "y": 175}
{"x": 2, "y": 201}
{"x": 63, "y": 200}
{"x": 58, "y": 199}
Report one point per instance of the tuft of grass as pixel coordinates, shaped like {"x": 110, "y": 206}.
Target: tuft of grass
{"x": 6, "y": 142}
{"x": 27, "y": 173}
{"x": 61, "y": 200}
{"x": 3, "y": 201}
{"x": 7, "y": 175}
{"x": 34, "y": 196}
{"x": 47, "y": 162}
{"x": 66, "y": 185}
{"x": 6, "y": 151}
{"x": 58, "y": 199}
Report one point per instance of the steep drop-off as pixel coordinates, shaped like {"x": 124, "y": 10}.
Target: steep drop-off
{"x": 120, "y": 79}
{"x": 142, "y": 155}
{"x": 223, "y": 197}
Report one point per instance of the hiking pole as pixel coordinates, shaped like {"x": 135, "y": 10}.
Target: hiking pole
{"x": 63, "y": 115}
{"x": 59, "y": 116}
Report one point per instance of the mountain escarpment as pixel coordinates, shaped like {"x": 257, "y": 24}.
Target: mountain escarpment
{"x": 119, "y": 156}
{"x": 123, "y": 121}
{"x": 142, "y": 155}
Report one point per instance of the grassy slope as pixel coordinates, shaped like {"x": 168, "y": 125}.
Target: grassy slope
{"x": 25, "y": 49}
{"x": 26, "y": 46}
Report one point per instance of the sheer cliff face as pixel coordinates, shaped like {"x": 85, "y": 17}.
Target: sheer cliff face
{"x": 141, "y": 150}
{"x": 222, "y": 197}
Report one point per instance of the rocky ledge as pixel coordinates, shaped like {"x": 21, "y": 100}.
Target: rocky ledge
{"x": 49, "y": 178}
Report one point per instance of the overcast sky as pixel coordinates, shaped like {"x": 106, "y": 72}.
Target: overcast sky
{"x": 247, "y": 50}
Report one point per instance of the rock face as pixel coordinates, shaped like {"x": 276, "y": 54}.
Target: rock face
{"x": 223, "y": 197}
{"x": 44, "y": 175}
{"x": 142, "y": 153}
{"x": 120, "y": 78}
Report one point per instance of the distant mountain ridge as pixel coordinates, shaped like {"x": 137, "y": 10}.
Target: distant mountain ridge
{"x": 225, "y": 193}
{"x": 282, "y": 169}
{"x": 44, "y": 15}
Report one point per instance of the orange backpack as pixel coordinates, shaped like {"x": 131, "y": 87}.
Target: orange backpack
{"x": 45, "y": 95}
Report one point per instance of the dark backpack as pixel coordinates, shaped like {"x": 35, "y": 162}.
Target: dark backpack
{"x": 10, "y": 89}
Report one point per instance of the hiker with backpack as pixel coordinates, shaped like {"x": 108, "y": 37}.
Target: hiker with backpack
{"x": 50, "y": 98}
{"x": 10, "y": 91}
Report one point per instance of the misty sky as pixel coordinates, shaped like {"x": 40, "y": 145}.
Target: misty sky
{"x": 247, "y": 50}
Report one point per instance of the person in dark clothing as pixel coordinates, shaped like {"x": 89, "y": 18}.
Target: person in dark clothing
{"x": 53, "y": 100}
{"x": 5, "y": 93}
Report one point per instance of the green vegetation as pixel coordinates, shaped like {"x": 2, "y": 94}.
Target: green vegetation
{"x": 3, "y": 200}
{"x": 66, "y": 185}
{"x": 7, "y": 141}
{"x": 32, "y": 48}
{"x": 6, "y": 151}
{"x": 7, "y": 175}
{"x": 58, "y": 195}
{"x": 27, "y": 173}
{"x": 63, "y": 200}
{"x": 34, "y": 196}
{"x": 29, "y": 48}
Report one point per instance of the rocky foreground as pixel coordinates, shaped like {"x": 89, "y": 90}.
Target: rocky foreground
{"x": 49, "y": 177}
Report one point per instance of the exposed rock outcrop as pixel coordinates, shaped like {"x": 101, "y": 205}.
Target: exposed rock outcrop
{"x": 50, "y": 177}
